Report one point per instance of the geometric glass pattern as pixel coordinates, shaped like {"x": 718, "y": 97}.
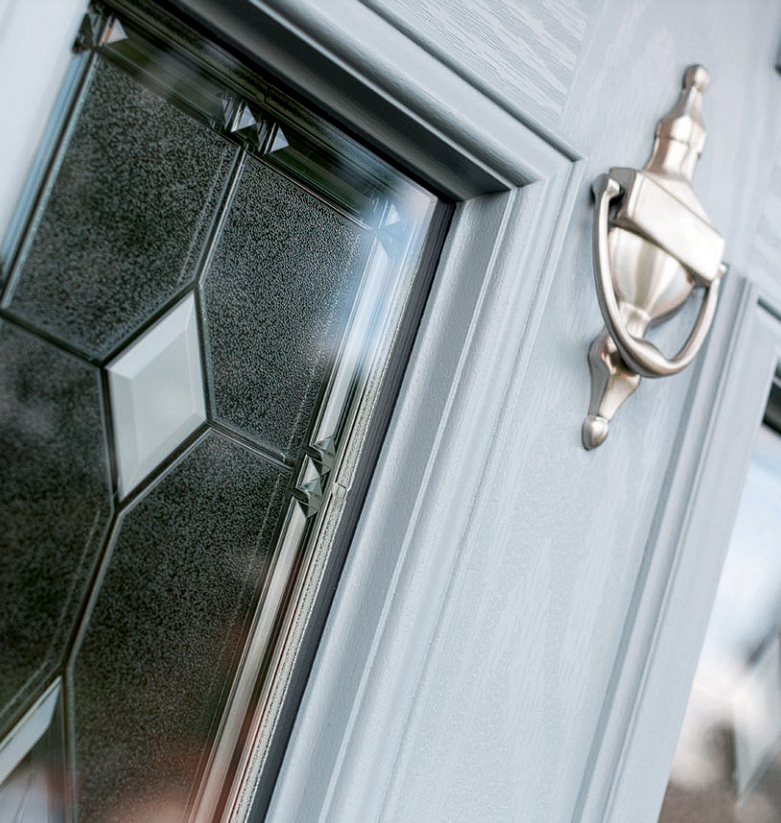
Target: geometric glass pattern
{"x": 156, "y": 389}
{"x": 55, "y": 505}
{"x": 135, "y": 186}
{"x": 197, "y": 313}
{"x": 284, "y": 261}
{"x": 150, "y": 674}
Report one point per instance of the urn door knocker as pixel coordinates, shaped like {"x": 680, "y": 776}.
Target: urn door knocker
{"x": 652, "y": 246}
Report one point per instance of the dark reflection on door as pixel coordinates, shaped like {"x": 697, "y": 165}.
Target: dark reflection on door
{"x": 727, "y": 766}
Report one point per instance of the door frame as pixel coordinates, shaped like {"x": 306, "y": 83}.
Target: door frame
{"x": 515, "y": 190}
{"x": 675, "y": 592}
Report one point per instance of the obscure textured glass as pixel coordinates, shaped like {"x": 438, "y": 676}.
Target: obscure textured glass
{"x": 153, "y": 671}
{"x": 54, "y": 503}
{"x": 123, "y": 225}
{"x": 334, "y": 169}
{"x": 285, "y": 272}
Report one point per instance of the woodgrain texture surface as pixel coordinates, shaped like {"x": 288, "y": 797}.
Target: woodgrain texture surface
{"x": 488, "y": 639}
{"x": 523, "y": 53}
{"x": 525, "y": 656}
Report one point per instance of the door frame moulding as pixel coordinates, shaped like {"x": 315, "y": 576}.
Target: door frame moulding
{"x": 378, "y": 82}
{"x": 643, "y": 710}
{"x": 515, "y": 192}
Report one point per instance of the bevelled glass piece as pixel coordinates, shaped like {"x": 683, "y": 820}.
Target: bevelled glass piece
{"x": 126, "y": 218}
{"x": 152, "y": 674}
{"x": 54, "y": 504}
{"x": 393, "y": 233}
{"x": 279, "y": 141}
{"x": 86, "y": 37}
{"x": 115, "y": 33}
{"x": 31, "y": 765}
{"x": 157, "y": 400}
{"x": 323, "y": 452}
{"x": 277, "y": 295}
{"x": 248, "y": 125}
{"x": 333, "y": 167}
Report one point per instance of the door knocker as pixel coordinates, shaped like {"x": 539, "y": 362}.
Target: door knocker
{"x": 652, "y": 246}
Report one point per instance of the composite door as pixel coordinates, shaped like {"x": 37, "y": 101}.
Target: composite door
{"x": 518, "y": 621}
{"x": 508, "y": 596}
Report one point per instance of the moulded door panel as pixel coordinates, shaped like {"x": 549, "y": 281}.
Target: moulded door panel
{"x": 500, "y": 678}
{"x": 503, "y": 604}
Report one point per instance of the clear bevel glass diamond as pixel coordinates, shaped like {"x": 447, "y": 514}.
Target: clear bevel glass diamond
{"x": 248, "y": 125}
{"x": 157, "y": 397}
{"x": 115, "y": 33}
{"x": 279, "y": 142}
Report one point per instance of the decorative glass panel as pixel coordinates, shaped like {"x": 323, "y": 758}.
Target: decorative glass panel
{"x": 195, "y": 326}
{"x": 153, "y": 670}
{"x": 55, "y": 504}
{"x": 277, "y": 294}
{"x": 124, "y": 223}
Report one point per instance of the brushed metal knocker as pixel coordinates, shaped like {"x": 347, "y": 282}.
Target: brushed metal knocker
{"x": 652, "y": 246}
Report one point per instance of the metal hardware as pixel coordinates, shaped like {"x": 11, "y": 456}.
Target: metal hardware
{"x": 652, "y": 245}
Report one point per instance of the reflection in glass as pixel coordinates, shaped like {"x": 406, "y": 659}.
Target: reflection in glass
{"x": 728, "y": 763}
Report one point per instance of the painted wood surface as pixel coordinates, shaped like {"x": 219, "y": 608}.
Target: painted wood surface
{"x": 523, "y": 53}
{"x": 35, "y": 41}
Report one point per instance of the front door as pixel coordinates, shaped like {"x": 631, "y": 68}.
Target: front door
{"x": 537, "y": 631}
{"x": 513, "y": 633}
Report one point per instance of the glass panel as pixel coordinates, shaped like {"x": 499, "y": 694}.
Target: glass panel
{"x": 728, "y": 763}
{"x": 55, "y": 503}
{"x": 277, "y": 295}
{"x": 322, "y": 164}
{"x": 122, "y": 228}
{"x": 195, "y": 331}
{"x": 154, "y": 668}
{"x": 32, "y": 778}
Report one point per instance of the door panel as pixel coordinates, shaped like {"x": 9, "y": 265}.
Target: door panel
{"x": 495, "y": 649}
{"x": 526, "y": 658}
{"x": 199, "y": 315}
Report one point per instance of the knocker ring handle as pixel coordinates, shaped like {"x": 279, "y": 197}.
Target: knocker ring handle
{"x": 639, "y": 354}
{"x": 652, "y": 245}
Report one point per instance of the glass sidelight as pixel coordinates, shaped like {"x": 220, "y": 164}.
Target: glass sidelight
{"x": 727, "y": 765}
{"x": 203, "y": 305}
